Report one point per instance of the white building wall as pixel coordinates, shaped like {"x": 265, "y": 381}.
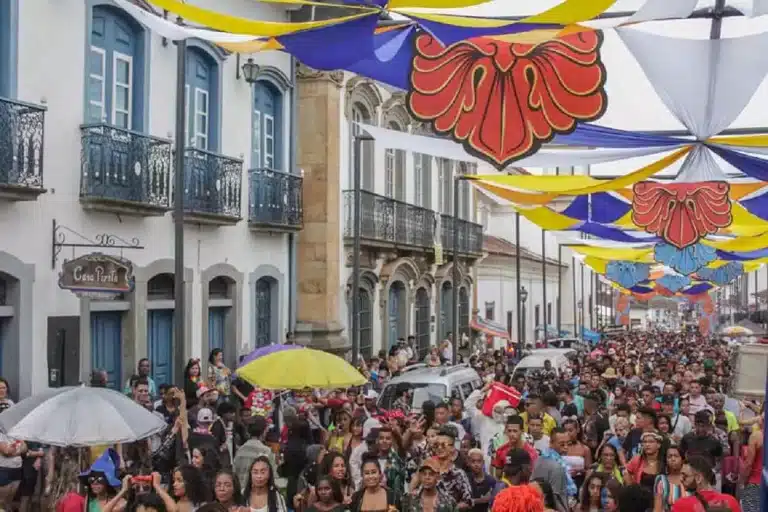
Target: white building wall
{"x": 52, "y": 42}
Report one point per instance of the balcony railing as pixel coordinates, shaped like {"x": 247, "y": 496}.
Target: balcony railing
{"x": 470, "y": 235}
{"x": 212, "y": 185}
{"x": 124, "y": 171}
{"x": 22, "y": 129}
{"x": 275, "y": 200}
{"x": 388, "y": 221}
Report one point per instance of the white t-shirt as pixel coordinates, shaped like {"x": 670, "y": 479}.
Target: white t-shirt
{"x": 542, "y": 445}
{"x": 9, "y": 462}
{"x": 448, "y": 351}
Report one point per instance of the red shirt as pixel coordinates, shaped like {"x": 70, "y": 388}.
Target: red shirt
{"x": 713, "y": 498}
{"x": 499, "y": 460}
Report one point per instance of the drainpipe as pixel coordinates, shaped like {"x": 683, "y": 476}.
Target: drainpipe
{"x": 292, "y": 283}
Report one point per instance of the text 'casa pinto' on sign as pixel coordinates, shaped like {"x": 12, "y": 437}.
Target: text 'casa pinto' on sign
{"x": 97, "y": 273}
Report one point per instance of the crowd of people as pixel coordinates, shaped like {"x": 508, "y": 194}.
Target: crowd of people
{"x": 639, "y": 422}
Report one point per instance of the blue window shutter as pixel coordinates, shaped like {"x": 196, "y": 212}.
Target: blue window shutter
{"x": 120, "y": 43}
{"x": 268, "y": 105}
{"x": 203, "y": 99}
{"x": 9, "y": 33}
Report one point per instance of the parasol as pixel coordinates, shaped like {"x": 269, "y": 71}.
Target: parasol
{"x": 299, "y": 369}
{"x": 263, "y": 351}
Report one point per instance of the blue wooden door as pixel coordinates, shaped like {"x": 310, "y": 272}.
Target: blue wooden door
{"x": 160, "y": 340}
{"x": 394, "y": 313}
{"x": 106, "y": 345}
{"x": 216, "y": 317}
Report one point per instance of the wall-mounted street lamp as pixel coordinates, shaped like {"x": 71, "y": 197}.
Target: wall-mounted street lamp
{"x": 249, "y": 70}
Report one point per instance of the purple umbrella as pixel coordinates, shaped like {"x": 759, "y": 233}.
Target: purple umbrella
{"x": 263, "y": 351}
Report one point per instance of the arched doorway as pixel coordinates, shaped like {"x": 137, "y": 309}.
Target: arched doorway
{"x": 265, "y": 290}
{"x": 446, "y": 309}
{"x": 397, "y": 312}
{"x": 422, "y": 322}
{"x": 463, "y": 313}
{"x": 160, "y": 322}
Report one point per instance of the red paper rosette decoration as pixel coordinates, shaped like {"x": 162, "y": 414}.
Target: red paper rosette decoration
{"x": 682, "y": 213}
{"x": 503, "y": 100}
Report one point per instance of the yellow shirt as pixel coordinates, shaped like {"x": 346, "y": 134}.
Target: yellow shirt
{"x": 548, "y": 423}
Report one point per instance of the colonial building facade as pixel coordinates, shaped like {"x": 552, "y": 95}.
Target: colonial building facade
{"x": 86, "y": 159}
{"x": 406, "y": 280}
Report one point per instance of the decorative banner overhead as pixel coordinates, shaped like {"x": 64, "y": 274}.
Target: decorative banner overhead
{"x": 685, "y": 261}
{"x": 682, "y": 213}
{"x": 627, "y": 274}
{"x": 570, "y": 185}
{"x": 674, "y": 283}
{"x": 236, "y": 25}
{"x": 464, "y": 91}
{"x": 705, "y": 83}
{"x": 722, "y": 275}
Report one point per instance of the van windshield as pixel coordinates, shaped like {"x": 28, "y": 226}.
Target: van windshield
{"x": 420, "y": 393}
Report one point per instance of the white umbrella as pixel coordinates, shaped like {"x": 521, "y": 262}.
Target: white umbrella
{"x": 79, "y": 416}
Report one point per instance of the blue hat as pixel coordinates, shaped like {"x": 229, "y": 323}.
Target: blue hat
{"x": 107, "y": 465}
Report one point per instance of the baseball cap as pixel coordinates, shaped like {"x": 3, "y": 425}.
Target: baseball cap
{"x": 205, "y": 415}
{"x": 202, "y": 389}
{"x": 371, "y": 395}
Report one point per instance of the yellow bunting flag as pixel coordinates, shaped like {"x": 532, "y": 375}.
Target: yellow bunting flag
{"x": 577, "y": 185}
{"x": 258, "y": 45}
{"x": 616, "y": 253}
{"x": 237, "y": 25}
{"x": 548, "y": 219}
{"x": 749, "y": 141}
{"x": 740, "y": 244}
{"x": 435, "y": 4}
{"x": 566, "y": 13}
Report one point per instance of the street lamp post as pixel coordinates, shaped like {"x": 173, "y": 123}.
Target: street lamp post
{"x": 523, "y": 298}
{"x": 579, "y": 307}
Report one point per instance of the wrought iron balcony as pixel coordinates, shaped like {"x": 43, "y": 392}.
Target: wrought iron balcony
{"x": 22, "y": 127}
{"x": 275, "y": 201}
{"x": 389, "y": 222}
{"x": 470, "y": 235}
{"x": 124, "y": 172}
{"x": 212, "y": 186}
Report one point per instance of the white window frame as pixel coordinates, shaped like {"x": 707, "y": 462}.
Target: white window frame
{"x": 418, "y": 179}
{"x": 256, "y": 140}
{"x": 355, "y": 129}
{"x": 188, "y": 113}
{"x": 269, "y": 157}
{"x": 202, "y": 132}
{"x": 102, "y": 79}
{"x": 389, "y": 173}
{"x": 117, "y": 56}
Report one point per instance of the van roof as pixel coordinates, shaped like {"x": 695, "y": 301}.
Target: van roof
{"x": 536, "y": 360}
{"x": 423, "y": 373}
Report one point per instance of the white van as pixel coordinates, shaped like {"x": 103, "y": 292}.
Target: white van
{"x": 535, "y": 362}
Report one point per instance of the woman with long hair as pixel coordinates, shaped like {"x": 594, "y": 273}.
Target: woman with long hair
{"x": 335, "y": 466}
{"x": 219, "y": 376}
{"x": 100, "y": 490}
{"x": 261, "y": 493}
{"x": 373, "y": 496}
{"x": 188, "y": 489}
{"x": 226, "y": 490}
{"x": 342, "y": 422}
{"x": 608, "y": 462}
{"x": 191, "y": 381}
{"x": 579, "y": 456}
{"x": 354, "y": 437}
{"x": 591, "y": 499}
{"x": 329, "y": 496}
{"x": 669, "y": 485}
{"x": 752, "y": 468}
{"x": 646, "y": 466}
{"x": 206, "y": 459}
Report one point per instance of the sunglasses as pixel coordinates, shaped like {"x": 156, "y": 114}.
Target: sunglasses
{"x": 442, "y": 445}
{"x": 96, "y": 480}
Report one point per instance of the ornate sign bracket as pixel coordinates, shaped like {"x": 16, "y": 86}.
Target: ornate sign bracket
{"x": 60, "y": 240}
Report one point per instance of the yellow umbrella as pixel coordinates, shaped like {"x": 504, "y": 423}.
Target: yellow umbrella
{"x": 736, "y": 330}
{"x": 299, "y": 369}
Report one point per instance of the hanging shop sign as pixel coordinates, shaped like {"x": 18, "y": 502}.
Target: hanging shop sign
{"x": 97, "y": 275}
